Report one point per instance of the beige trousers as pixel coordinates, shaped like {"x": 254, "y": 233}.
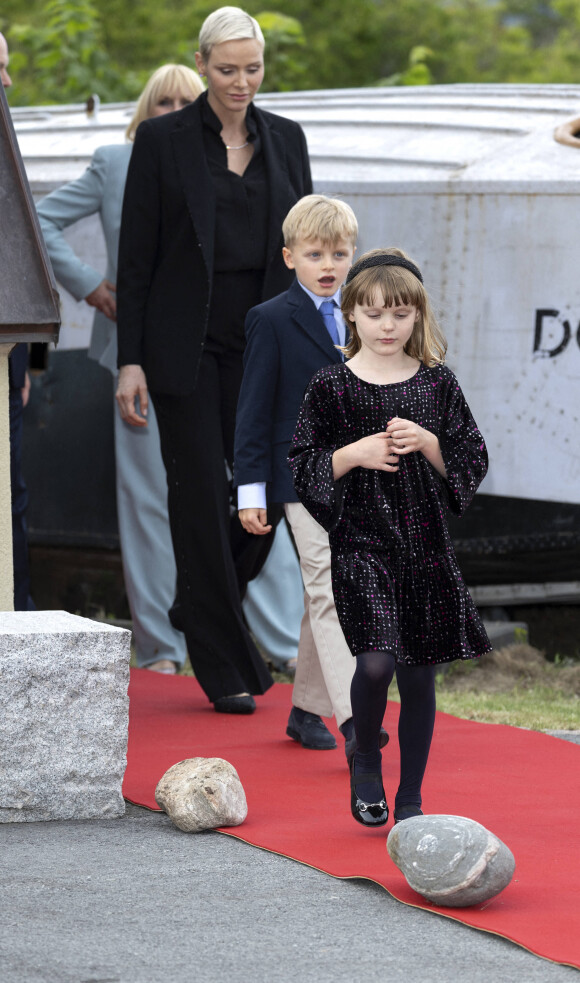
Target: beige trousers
{"x": 325, "y": 664}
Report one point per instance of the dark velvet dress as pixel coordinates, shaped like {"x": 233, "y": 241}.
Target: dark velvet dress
{"x": 396, "y": 582}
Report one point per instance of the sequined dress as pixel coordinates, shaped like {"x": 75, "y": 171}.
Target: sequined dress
{"x": 396, "y": 582}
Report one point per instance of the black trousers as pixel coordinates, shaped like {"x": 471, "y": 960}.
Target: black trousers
{"x": 22, "y": 599}
{"x": 214, "y": 555}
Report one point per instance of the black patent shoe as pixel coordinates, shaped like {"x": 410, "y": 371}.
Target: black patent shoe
{"x": 407, "y": 812}
{"x": 240, "y": 703}
{"x": 368, "y": 813}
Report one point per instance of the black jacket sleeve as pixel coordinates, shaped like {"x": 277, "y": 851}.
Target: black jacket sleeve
{"x": 138, "y": 244}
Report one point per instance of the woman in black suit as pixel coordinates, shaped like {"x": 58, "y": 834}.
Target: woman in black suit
{"x": 207, "y": 190}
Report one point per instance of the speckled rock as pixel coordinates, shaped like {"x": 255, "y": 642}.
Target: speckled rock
{"x": 451, "y": 860}
{"x": 64, "y": 716}
{"x": 202, "y": 793}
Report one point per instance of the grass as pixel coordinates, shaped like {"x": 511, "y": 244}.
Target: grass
{"x": 543, "y": 699}
{"x": 538, "y": 707}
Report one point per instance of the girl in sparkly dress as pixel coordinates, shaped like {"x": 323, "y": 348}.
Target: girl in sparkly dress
{"x": 385, "y": 445}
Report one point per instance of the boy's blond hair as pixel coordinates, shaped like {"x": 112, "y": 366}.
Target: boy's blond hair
{"x": 320, "y": 217}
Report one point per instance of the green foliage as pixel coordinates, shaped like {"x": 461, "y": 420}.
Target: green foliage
{"x": 64, "y": 61}
{"x": 417, "y": 72}
{"x": 284, "y": 40}
{"x": 65, "y": 49}
{"x": 564, "y": 51}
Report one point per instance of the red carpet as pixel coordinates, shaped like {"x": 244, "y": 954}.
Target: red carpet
{"x": 521, "y": 785}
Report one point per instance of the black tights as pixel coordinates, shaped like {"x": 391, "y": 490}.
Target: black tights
{"x": 370, "y": 684}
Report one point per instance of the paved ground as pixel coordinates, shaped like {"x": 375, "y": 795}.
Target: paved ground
{"x": 134, "y": 900}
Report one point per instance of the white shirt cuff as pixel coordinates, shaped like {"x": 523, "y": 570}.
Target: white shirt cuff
{"x": 252, "y": 496}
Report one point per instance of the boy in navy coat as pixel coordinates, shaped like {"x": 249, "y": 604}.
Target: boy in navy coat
{"x": 288, "y": 339}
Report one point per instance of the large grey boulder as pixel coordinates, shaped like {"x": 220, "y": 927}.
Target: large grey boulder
{"x": 202, "y": 793}
{"x": 64, "y": 716}
{"x": 451, "y": 860}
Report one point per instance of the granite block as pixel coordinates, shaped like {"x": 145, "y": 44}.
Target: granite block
{"x": 64, "y": 713}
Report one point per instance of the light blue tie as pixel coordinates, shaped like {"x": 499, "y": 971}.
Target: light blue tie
{"x": 327, "y": 310}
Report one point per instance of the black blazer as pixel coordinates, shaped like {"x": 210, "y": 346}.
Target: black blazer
{"x": 17, "y": 366}
{"x": 287, "y": 342}
{"x": 167, "y": 239}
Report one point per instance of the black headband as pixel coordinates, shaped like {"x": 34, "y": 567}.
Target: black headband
{"x": 383, "y": 259}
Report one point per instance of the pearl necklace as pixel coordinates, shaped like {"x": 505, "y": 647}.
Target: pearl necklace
{"x": 241, "y": 147}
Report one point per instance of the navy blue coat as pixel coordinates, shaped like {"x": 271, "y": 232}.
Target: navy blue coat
{"x": 287, "y": 342}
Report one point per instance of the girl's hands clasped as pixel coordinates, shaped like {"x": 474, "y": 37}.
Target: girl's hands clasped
{"x": 408, "y": 436}
{"x": 380, "y": 451}
{"x": 375, "y": 452}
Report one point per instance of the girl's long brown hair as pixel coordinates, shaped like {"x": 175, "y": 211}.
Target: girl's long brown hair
{"x": 398, "y": 286}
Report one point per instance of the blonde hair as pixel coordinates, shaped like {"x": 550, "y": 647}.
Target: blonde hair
{"x": 228, "y": 24}
{"x": 165, "y": 81}
{"x": 319, "y": 217}
{"x": 397, "y": 285}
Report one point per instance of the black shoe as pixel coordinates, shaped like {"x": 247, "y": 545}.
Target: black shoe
{"x": 367, "y": 813}
{"x": 309, "y": 730}
{"x": 350, "y": 745}
{"x": 406, "y": 812}
{"x": 235, "y": 704}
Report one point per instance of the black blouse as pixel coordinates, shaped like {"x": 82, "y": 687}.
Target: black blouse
{"x": 242, "y": 201}
{"x": 241, "y": 230}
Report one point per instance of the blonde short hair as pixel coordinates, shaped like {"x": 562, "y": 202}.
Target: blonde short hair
{"x": 165, "y": 81}
{"x": 397, "y": 285}
{"x": 228, "y": 24}
{"x": 320, "y": 217}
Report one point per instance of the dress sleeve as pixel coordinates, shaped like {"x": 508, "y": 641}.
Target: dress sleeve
{"x": 310, "y": 456}
{"x": 463, "y": 450}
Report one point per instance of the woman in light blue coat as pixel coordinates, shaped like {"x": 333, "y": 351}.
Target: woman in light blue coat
{"x": 148, "y": 561}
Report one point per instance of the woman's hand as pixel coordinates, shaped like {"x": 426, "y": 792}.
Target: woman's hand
{"x": 102, "y": 297}
{"x": 25, "y": 391}
{"x": 375, "y": 452}
{"x": 409, "y": 437}
{"x": 132, "y": 384}
{"x": 255, "y": 521}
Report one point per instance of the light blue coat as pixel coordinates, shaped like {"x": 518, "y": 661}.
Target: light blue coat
{"x": 99, "y": 191}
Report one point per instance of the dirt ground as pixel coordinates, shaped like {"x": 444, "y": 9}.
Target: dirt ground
{"x": 519, "y": 665}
